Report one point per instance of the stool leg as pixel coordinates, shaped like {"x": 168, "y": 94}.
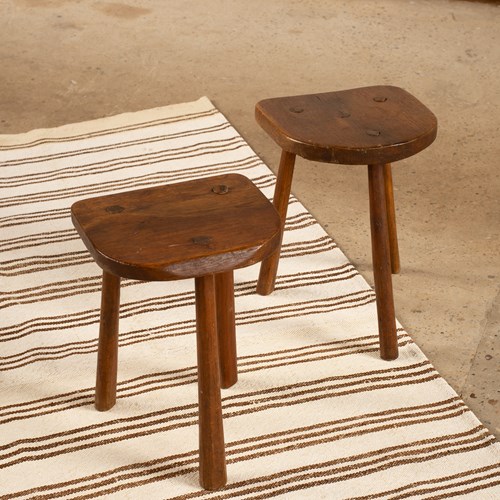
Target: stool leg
{"x": 224, "y": 289}
{"x": 269, "y": 266}
{"x": 107, "y": 353}
{"x": 391, "y": 219}
{"x": 212, "y": 454}
{"x": 381, "y": 263}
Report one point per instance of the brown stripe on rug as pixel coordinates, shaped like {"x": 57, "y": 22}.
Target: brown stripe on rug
{"x": 99, "y": 149}
{"x": 300, "y": 437}
{"x": 90, "y": 284}
{"x": 353, "y": 466}
{"x": 21, "y": 219}
{"x": 70, "y": 172}
{"x": 456, "y": 482}
{"x": 129, "y": 183}
{"x": 127, "y": 310}
{"x": 157, "y": 381}
{"x": 187, "y": 463}
{"x": 23, "y": 450}
{"x": 107, "y": 131}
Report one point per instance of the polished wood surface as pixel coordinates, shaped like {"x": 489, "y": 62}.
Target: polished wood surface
{"x": 224, "y": 287}
{"x": 269, "y": 266}
{"x": 211, "y": 432}
{"x": 379, "y": 124}
{"x": 391, "y": 219}
{"x": 183, "y": 230}
{"x": 382, "y": 263}
{"x": 107, "y": 353}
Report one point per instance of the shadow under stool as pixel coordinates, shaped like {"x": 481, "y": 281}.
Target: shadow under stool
{"x": 201, "y": 229}
{"x": 372, "y": 126}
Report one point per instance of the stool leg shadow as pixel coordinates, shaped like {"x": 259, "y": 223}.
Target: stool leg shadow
{"x": 107, "y": 354}
{"x": 391, "y": 220}
{"x": 382, "y": 263}
{"x": 224, "y": 289}
{"x": 269, "y": 266}
{"x": 211, "y": 432}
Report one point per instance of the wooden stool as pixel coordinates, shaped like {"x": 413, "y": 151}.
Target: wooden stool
{"x": 202, "y": 229}
{"x": 372, "y": 126}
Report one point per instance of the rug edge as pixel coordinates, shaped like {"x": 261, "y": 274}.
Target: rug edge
{"x": 116, "y": 120}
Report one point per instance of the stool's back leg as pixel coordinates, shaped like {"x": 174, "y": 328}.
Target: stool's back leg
{"x": 212, "y": 454}
{"x": 391, "y": 219}
{"x": 224, "y": 287}
{"x": 269, "y": 266}
{"x": 107, "y": 355}
{"x": 381, "y": 263}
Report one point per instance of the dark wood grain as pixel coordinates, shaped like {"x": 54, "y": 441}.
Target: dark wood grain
{"x": 211, "y": 432}
{"x": 269, "y": 266}
{"x": 379, "y": 124}
{"x": 180, "y": 230}
{"x": 391, "y": 219}
{"x": 107, "y": 354}
{"x": 382, "y": 263}
{"x": 224, "y": 286}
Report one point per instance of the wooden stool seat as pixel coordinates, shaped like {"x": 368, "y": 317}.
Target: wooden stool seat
{"x": 372, "y": 126}
{"x": 201, "y": 229}
{"x": 178, "y": 231}
{"x": 364, "y": 126}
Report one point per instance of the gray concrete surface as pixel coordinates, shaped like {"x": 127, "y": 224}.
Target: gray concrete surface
{"x": 71, "y": 60}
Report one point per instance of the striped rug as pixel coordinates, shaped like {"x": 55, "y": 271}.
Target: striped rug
{"x": 316, "y": 413}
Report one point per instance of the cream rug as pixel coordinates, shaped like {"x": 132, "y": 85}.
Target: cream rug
{"x": 316, "y": 413}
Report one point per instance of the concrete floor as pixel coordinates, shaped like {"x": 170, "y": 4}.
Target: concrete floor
{"x": 71, "y": 60}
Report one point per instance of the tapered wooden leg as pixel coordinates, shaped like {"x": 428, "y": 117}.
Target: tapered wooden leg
{"x": 269, "y": 266}
{"x": 224, "y": 288}
{"x": 107, "y": 355}
{"x": 212, "y": 455}
{"x": 391, "y": 219}
{"x": 382, "y": 263}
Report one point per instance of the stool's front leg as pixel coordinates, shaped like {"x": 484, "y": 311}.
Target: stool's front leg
{"x": 269, "y": 266}
{"x": 391, "y": 219}
{"x": 224, "y": 287}
{"x": 212, "y": 454}
{"x": 382, "y": 263}
{"x": 107, "y": 354}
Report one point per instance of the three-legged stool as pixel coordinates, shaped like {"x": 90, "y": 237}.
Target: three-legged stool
{"x": 372, "y": 126}
{"x": 202, "y": 229}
